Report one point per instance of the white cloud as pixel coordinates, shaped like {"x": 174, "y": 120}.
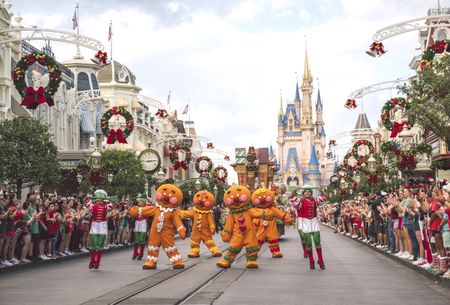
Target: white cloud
{"x": 245, "y": 11}
{"x": 304, "y": 14}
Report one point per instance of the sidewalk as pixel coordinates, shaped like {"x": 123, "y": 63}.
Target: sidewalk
{"x": 40, "y": 263}
{"x": 430, "y": 275}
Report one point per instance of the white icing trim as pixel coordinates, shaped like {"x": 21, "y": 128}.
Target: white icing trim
{"x": 153, "y": 248}
{"x": 179, "y": 228}
{"x": 152, "y": 258}
{"x": 170, "y": 249}
{"x": 165, "y": 210}
{"x": 175, "y": 258}
{"x": 140, "y": 212}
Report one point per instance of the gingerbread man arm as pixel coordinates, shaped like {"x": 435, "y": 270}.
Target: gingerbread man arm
{"x": 143, "y": 212}
{"x": 179, "y": 225}
{"x": 212, "y": 223}
{"x": 186, "y": 213}
{"x": 284, "y": 217}
{"x": 227, "y": 232}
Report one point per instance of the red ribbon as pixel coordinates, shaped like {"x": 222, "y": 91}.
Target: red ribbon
{"x": 116, "y": 135}
{"x": 102, "y": 56}
{"x": 35, "y": 98}
{"x": 398, "y": 127}
{"x": 181, "y": 164}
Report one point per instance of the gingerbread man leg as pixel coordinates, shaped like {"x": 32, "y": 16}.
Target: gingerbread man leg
{"x": 195, "y": 244}
{"x": 209, "y": 242}
{"x": 251, "y": 250}
{"x": 174, "y": 256}
{"x": 273, "y": 238}
{"x": 153, "y": 251}
{"x": 233, "y": 250}
{"x": 261, "y": 236}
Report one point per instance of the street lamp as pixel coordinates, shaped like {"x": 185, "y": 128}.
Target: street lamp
{"x": 215, "y": 190}
{"x": 372, "y": 163}
{"x": 198, "y": 185}
{"x": 96, "y": 159}
{"x": 79, "y": 178}
{"x": 110, "y": 178}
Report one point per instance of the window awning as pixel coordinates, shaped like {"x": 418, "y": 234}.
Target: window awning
{"x": 87, "y": 126}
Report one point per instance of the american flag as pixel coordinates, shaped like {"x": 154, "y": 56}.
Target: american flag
{"x": 110, "y": 31}
{"x": 75, "y": 20}
{"x": 186, "y": 109}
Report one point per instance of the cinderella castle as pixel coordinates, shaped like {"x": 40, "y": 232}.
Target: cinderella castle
{"x": 301, "y": 139}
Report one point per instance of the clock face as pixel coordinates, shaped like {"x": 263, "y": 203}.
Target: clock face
{"x": 150, "y": 160}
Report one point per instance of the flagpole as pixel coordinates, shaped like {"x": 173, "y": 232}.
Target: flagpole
{"x": 78, "y": 27}
{"x": 110, "y": 29}
{"x": 189, "y": 116}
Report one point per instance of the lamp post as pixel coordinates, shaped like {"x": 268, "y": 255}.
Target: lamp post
{"x": 79, "y": 178}
{"x": 110, "y": 178}
{"x": 215, "y": 190}
{"x": 198, "y": 185}
{"x": 372, "y": 162}
{"x": 96, "y": 159}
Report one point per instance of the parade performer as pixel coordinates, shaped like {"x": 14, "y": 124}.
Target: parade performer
{"x": 140, "y": 232}
{"x": 263, "y": 199}
{"x": 203, "y": 227}
{"x": 166, "y": 220}
{"x": 239, "y": 229}
{"x": 99, "y": 226}
{"x": 310, "y": 230}
{"x": 294, "y": 202}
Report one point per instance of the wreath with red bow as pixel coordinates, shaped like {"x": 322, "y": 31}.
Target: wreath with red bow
{"x": 405, "y": 160}
{"x": 203, "y": 159}
{"x": 174, "y": 156}
{"x": 358, "y": 157}
{"x": 395, "y": 127}
{"x": 32, "y": 98}
{"x": 439, "y": 47}
{"x": 225, "y": 174}
{"x": 119, "y": 135}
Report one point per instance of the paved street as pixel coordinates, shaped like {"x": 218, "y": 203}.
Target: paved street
{"x": 354, "y": 275}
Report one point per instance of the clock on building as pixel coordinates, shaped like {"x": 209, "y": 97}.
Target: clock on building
{"x": 150, "y": 159}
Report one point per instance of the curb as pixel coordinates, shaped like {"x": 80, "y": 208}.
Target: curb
{"x": 431, "y": 276}
{"x": 40, "y": 263}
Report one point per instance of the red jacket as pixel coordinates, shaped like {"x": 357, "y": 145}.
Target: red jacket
{"x": 307, "y": 208}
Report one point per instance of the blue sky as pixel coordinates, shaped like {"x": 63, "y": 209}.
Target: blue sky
{"x": 231, "y": 58}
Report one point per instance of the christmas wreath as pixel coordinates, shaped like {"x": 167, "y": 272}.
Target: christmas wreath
{"x": 203, "y": 165}
{"x": 395, "y": 127}
{"x": 118, "y": 134}
{"x": 217, "y": 172}
{"x": 346, "y": 164}
{"x": 390, "y": 147}
{"x": 358, "y": 157}
{"x": 180, "y": 156}
{"x": 439, "y": 47}
{"x": 31, "y": 97}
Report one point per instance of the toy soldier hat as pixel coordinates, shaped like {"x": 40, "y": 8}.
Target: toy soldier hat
{"x": 114, "y": 199}
{"x": 100, "y": 194}
{"x": 142, "y": 199}
{"x": 306, "y": 187}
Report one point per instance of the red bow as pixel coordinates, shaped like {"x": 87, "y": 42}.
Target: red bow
{"x": 102, "y": 56}
{"x": 116, "y": 135}
{"x": 183, "y": 165}
{"x": 227, "y": 158}
{"x": 210, "y": 146}
{"x": 162, "y": 113}
{"x": 35, "y": 98}
{"x": 398, "y": 127}
{"x": 377, "y": 47}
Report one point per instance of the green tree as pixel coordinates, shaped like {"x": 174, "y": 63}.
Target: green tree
{"x": 129, "y": 176}
{"x": 27, "y": 153}
{"x": 428, "y": 94}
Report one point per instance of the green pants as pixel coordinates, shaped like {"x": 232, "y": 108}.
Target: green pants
{"x": 140, "y": 238}
{"x": 307, "y": 239}
{"x": 97, "y": 241}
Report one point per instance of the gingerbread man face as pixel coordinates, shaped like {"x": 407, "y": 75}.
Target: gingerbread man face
{"x": 169, "y": 196}
{"x": 204, "y": 200}
{"x": 262, "y": 198}
{"x": 237, "y": 196}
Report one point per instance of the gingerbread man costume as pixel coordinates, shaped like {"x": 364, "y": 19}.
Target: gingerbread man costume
{"x": 263, "y": 199}
{"x": 203, "y": 227}
{"x": 166, "y": 221}
{"x": 239, "y": 229}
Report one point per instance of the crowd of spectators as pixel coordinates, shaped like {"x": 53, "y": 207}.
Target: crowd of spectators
{"x": 411, "y": 223}
{"x": 49, "y": 226}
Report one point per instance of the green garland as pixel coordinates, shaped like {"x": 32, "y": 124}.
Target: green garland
{"x": 386, "y": 112}
{"x": 24, "y": 64}
{"x": 117, "y": 111}
{"x": 439, "y": 47}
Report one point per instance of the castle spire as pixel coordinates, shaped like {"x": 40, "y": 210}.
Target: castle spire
{"x": 281, "y": 104}
{"x": 297, "y": 92}
{"x": 306, "y": 72}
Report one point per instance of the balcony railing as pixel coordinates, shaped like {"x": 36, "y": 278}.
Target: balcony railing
{"x": 438, "y": 11}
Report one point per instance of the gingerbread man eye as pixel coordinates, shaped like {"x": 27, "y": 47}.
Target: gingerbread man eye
{"x": 165, "y": 189}
{"x": 228, "y": 192}
{"x": 173, "y": 192}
